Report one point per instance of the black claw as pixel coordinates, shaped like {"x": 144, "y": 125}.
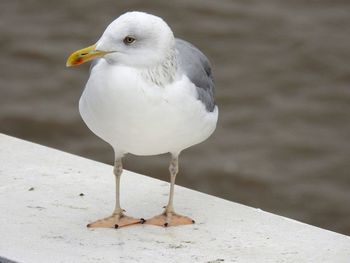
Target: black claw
{"x": 116, "y": 226}
{"x": 142, "y": 220}
{"x": 193, "y": 221}
{"x": 166, "y": 224}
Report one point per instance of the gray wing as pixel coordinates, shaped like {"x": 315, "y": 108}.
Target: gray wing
{"x": 197, "y": 68}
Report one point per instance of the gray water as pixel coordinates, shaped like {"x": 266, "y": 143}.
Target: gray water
{"x": 282, "y": 72}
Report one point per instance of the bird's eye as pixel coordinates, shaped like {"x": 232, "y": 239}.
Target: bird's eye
{"x": 129, "y": 40}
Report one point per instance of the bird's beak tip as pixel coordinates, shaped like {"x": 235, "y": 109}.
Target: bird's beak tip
{"x": 83, "y": 55}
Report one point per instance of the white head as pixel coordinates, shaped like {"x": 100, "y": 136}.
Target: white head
{"x": 135, "y": 38}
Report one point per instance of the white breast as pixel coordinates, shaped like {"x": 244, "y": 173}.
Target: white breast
{"x": 141, "y": 118}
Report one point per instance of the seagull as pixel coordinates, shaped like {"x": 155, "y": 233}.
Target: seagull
{"x": 148, "y": 93}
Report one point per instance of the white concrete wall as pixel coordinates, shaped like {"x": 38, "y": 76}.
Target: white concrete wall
{"x": 43, "y": 218}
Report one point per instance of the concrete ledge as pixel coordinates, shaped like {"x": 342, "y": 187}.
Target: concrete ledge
{"x": 43, "y": 218}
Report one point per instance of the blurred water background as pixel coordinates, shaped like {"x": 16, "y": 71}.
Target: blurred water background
{"x": 282, "y": 73}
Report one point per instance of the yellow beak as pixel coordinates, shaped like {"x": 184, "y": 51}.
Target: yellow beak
{"x": 83, "y": 55}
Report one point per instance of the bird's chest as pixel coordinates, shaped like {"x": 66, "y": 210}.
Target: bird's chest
{"x": 124, "y": 109}
{"x": 125, "y": 99}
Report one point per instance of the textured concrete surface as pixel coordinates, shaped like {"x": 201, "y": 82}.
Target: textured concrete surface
{"x": 47, "y": 197}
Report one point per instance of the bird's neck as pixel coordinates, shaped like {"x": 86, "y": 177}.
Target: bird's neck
{"x": 164, "y": 72}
